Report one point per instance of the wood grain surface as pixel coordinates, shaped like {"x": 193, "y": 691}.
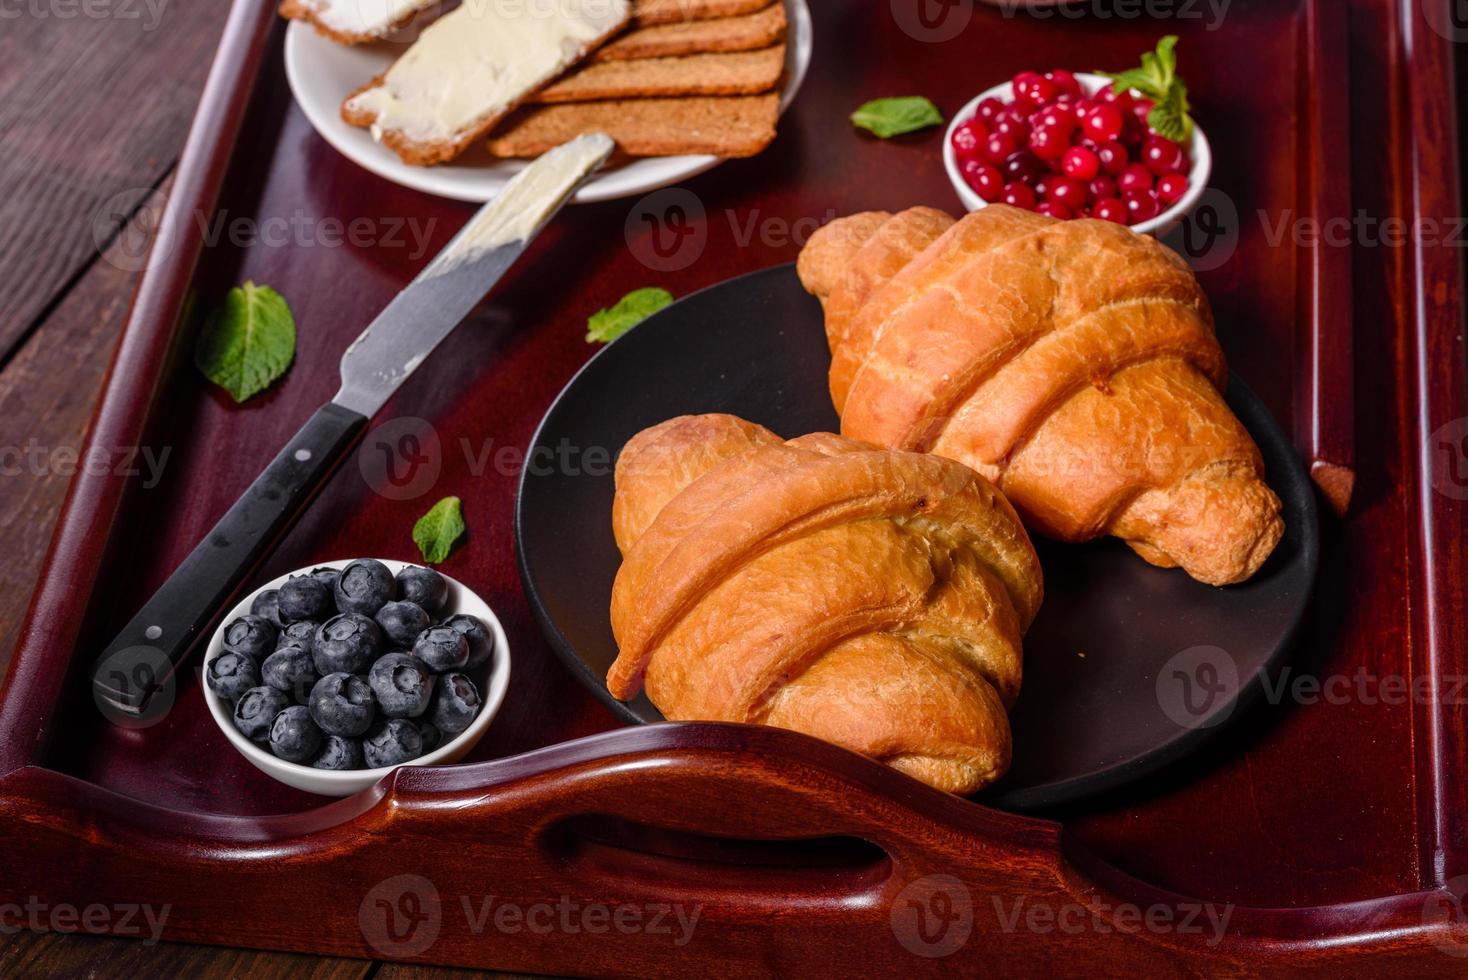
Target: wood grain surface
{"x": 1302, "y": 806}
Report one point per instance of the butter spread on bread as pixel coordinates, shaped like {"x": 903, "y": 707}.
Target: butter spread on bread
{"x": 467, "y": 70}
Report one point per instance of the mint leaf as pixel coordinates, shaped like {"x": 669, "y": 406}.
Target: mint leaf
{"x": 896, "y": 116}
{"x": 1170, "y": 118}
{"x": 248, "y": 342}
{"x": 605, "y": 326}
{"x": 1157, "y": 80}
{"x": 438, "y": 530}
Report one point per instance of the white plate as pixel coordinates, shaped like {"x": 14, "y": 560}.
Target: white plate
{"x": 323, "y": 73}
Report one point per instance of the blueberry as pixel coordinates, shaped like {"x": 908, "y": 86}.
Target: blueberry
{"x": 304, "y": 597}
{"x": 391, "y": 743}
{"x": 455, "y": 703}
{"x": 402, "y": 622}
{"x": 251, "y": 635}
{"x": 480, "y": 639}
{"x": 442, "y": 649}
{"x": 403, "y": 685}
{"x": 256, "y": 709}
{"x": 230, "y": 675}
{"x": 328, "y": 576}
{"x": 423, "y": 586}
{"x": 342, "y": 704}
{"x": 266, "y": 606}
{"x": 346, "y": 644}
{"x": 292, "y": 670}
{"x": 365, "y": 586}
{"x": 339, "y": 753}
{"x": 294, "y": 736}
{"x": 301, "y": 633}
{"x": 430, "y": 734}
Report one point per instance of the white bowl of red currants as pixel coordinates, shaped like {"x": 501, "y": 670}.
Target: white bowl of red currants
{"x": 330, "y": 677}
{"x": 1071, "y": 146}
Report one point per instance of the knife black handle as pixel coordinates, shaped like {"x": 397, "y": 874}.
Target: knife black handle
{"x": 160, "y": 636}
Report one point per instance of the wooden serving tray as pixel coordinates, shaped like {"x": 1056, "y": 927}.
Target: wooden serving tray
{"x": 1328, "y": 828}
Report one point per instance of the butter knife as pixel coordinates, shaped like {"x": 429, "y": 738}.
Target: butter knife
{"x": 156, "y": 641}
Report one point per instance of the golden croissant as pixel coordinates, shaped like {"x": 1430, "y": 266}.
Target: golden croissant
{"x": 872, "y": 598}
{"x": 1073, "y": 363}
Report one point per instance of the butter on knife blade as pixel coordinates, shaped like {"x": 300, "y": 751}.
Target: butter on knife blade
{"x": 471, "y": 67}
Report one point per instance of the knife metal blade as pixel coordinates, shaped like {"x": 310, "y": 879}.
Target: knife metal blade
{"x": 428, "y": 310}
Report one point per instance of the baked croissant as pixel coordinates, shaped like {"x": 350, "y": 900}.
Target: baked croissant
{"x": 1071, "y": 362}
{"x": 872, "y": 598}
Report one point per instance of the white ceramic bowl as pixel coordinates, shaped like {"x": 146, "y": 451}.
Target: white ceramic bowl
{"x": 1198, "y": 152}
{"x": 332, "y": 782}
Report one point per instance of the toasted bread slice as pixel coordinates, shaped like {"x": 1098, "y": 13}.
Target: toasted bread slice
{"x": 747, "y": 32}
{"x": 472, "y": 67}
{"x": 648, "y": 12}
{"x": 731, "y": 73}
{"x": 726, "y": 126}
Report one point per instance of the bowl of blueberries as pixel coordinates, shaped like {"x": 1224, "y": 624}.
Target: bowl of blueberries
{"x": 328, "y": 678}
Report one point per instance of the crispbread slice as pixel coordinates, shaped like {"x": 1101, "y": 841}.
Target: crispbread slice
{"x": 356, "y": 21}
{"x": 732, "y": 73}
{"x": 725, "y": 126}
{"x": 648, "y": 12}
{"x": 747, "y": 32}
{"x": 472, "y": 67}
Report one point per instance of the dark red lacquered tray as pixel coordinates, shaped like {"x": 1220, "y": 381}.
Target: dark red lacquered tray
{"x": 1328, "y": 827}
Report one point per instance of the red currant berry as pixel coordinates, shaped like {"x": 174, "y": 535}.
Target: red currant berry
{"x": 1053, "y": 210}
{"x": 1055, "y": 116}
{"x": 1141, "y": 108}
{"x": 1067, "y": 192}
{"x": 1065, "y": 81}
{"x": 1024, "y": 85}
{"x": 1000, "y": 145}
{"x": 1162, "y": 155}
{"x": 1080, "y": 162}
{"x": 1110, "y": 209}
{"x": 986, "y": 180}
{"x": 969, "y": 137}
{"x": 1135, "y": 177}
{"x": 1171, "y": 188}
{"x": 1041, "y": 186}
{"x": 988, "y": 108}
{"x": 1049, "y": 143}
{"x": 1113, "y": 157}
{"x": 1140, "y": 206}
{"x": 1103, "y": 123}
{"x": 1102, "y": 188}
{"x": 1012, "y": 126}
{"x": 1019, "y": 195}
{"x": 1023, "y": 166}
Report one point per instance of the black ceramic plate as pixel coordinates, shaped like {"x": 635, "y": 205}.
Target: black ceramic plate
{"x": 1126, "y": 667}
